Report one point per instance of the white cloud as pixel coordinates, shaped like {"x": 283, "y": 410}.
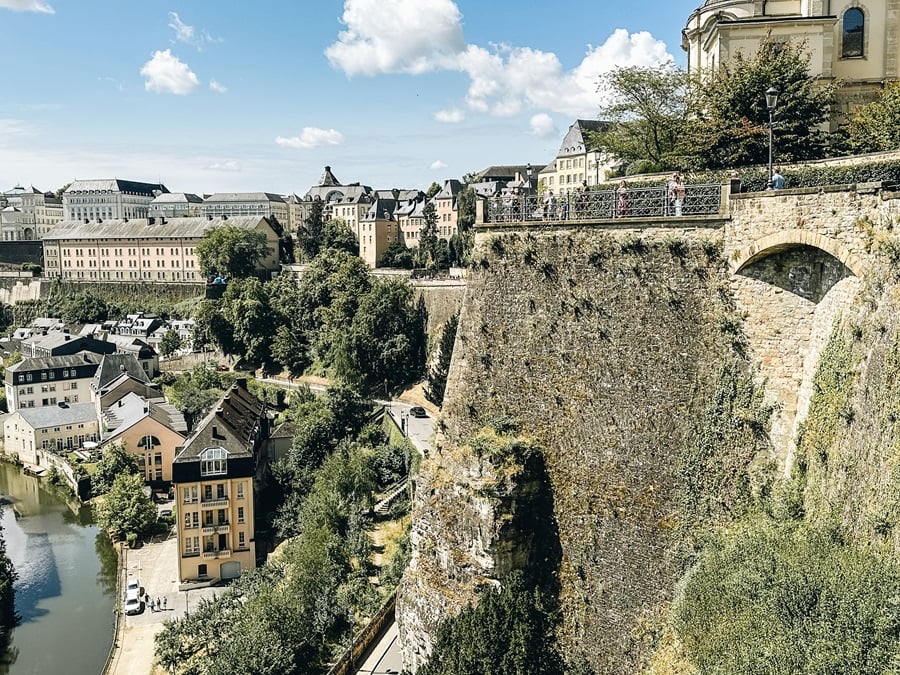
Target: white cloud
{"x": 217, "y": 87}
{"x": 397, "y": 36}
{"x": 166, "y": 74}
{"x": 453, "y": 116}
{"x": 188, "y": 34}
{"x": 28, "y": 6}
{"x": 12, "y": 127}
{"x": 311, "y": 137}
{"x": 542, "y": 125}
{"x": 437, "y": 165}
{"x": 417, "y": 36}
{"x": 226, "y": 165}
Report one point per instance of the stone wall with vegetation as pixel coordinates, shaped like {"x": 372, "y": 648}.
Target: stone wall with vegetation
{"x": 605, "y": 348}
{"x": 711, "y": 404}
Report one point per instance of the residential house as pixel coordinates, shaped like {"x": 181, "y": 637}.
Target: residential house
{"x": 42, "y": 381}
{"x": 577, "y": 161}
{"x": 148, "y": 430}
{"x": 29, "y": 432}
{"x": 213, "y": 474}
{"x": 378, "y": 228}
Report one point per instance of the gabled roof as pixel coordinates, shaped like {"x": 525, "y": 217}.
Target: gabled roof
{"x": 113, "y": 366}
{"x": 177, "y": 198}
{"x": 576, "y": 141}
{"x": 132, "y": 408}
{"x": 47, "y": 362}
{"x": 327, "y": 178}
{"x": 234, "y": 423}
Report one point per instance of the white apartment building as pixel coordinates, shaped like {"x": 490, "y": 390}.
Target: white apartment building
{"x": 48, "y": 380}
{"x": 27, "y": 214}
{"x": 247, "y": 204}
{"x": 109, "y": 199}
{"x": 56, "y": 428}
{"x": 175, "y": 205}
{"x": 577, "y": 161}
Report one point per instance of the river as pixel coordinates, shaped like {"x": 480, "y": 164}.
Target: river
{"x": 67, "y": 581}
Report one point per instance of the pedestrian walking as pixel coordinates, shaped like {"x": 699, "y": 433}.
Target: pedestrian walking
{"x": 676, "y": 193}
{"x": 158, "y": 604}
{"x": 622, "y": 201}
{"x": 777, "y": 180}
{"x": 165, "y": 602}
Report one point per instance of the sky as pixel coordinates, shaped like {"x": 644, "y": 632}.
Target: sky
{"x": 219, "y": 96}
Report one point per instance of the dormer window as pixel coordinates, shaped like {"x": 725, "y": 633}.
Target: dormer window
{"x": 214, "y": 462}
{"x": 853, "y": 33}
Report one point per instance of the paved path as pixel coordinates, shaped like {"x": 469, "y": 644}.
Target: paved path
{"x": 384, "y": 659}
{"x": 156, "y": 566}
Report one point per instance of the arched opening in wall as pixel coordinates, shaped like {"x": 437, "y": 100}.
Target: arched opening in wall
{"x": 806, "y": 271}
{"x": 789, "y": 296}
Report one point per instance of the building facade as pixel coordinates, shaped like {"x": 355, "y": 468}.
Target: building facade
{"x": 577, "y": 161}
{"x": 28, "y": 213}
{"x": 47, "y": 381}
{"x": 59, "y": 428}
{"x": 247, "y": 204}
{"x": 145, "y": 250}
{"x": 855, "y": 42}
{"x": 213, "y": 474}
{"x": 175, "y": 205}
{"x": 109, "y": 199}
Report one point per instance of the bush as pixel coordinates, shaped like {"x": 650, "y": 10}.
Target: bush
{"x": 773, "y": 597}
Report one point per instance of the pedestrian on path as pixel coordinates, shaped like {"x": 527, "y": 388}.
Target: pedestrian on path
{"x": 165, "y": 601}
{"x": 158, "y": 604}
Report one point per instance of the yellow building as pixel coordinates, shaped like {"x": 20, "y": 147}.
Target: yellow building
{"x": 145, "y": 250}
{"x": 856, "y": 43}
{"x": 213, "y": 475}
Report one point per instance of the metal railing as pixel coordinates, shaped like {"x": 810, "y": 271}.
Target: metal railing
{"x": 637, "y": 202}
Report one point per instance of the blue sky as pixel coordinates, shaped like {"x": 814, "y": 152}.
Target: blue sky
{"x": 236, "y": 96}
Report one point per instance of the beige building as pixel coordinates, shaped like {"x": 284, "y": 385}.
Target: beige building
{"x": 577, "y": 161}
{"x": 213, "y": 474}
{"x": 55, "y": 429}
{"x": 28, "y": 213}
{"x": 247, "y": 204}
{"x": 855, "y": 42}
{"x": 145, "y": 250}
{"x": 148, "y": 430}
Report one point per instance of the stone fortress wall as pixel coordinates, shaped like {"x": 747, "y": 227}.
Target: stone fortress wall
{"x": 604, "y": 344}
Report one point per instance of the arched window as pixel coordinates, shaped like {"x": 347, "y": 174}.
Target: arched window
{"x": 854, "y": 25}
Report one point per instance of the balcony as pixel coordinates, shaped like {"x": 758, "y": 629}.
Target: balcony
{"x": 218, "y": 503}
{"x": 221, "y": 528}
{"x": 210, "y": 555}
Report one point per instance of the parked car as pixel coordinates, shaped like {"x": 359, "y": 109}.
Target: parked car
{"x": 134, "y": 584}
{"x": 133, "y": 604}
{"x": 418, "y": 411}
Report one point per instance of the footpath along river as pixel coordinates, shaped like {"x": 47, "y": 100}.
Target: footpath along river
{"x": 67, "y": 581}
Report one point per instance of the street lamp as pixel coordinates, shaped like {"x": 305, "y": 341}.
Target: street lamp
{"x": 771, "y": 103}
{"x": 529, "y": 172}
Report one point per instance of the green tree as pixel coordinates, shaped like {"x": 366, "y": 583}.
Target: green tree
{"x": 433, "y": 189}
{"x": 337, "y": 234}
{"x": 84, "y": 307}
{"x": 876, "y": 126}
{"x": 245, "y": 307}
{"x": 729, "y": 120}
{"x": 169, "y": 343}
{"x": 126, "y": 509}
{"x": 509, "y": 632}
{"x": 231, "y": 251}
{"x": 194, "y": 392}
{"x": 397, "y": 255}
{"x": 428, "y": 238}
{"x": 211, "y": 328}
{"x": 386, "y": 339}
{"x": 114, "y": 462}
{"x": 437, "y": 374}
{"x": 309, "y": 234}
{"x": 8, "y": 578}
{"x": 646, "y": 113}
{"x": 465, "y": 209}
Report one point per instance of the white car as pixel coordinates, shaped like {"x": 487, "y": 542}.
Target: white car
{"x": 133, "y": 585}
{"x": 133, "y": 603}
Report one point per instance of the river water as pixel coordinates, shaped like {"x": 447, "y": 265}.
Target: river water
{"x": 67, "y": 581}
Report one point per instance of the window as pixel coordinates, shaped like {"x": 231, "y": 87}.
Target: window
{"x": 190, "y": 494}
{"x": 191, "y": 520}
{"x": 854, "y": 24}
{"x": 192, "y": 546}
{"x": 213, "y": 462}
{"x": 240, "y": 490}
{"x": 241, "y": 539}
{"x": 240, "y": 514}
{"x": 220, "y": 491}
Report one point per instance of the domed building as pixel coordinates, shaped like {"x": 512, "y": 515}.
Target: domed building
{"x": 855, "y": 42}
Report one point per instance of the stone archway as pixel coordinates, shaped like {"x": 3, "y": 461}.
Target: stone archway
{"x": 790, "y": 288}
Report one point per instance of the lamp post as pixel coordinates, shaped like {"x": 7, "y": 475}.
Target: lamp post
{"x": 529, "y": 172}
{"x": 771, "y": 103}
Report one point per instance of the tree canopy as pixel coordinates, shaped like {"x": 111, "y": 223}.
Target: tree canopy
{"x": 114, "y": 461}
{"x": 126, "y": 510}
{"x": 231, "y": 251}
{"x": 728, "y": 115}
{"x": 876, "y": 126}
{"x": 646, "y": 113}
